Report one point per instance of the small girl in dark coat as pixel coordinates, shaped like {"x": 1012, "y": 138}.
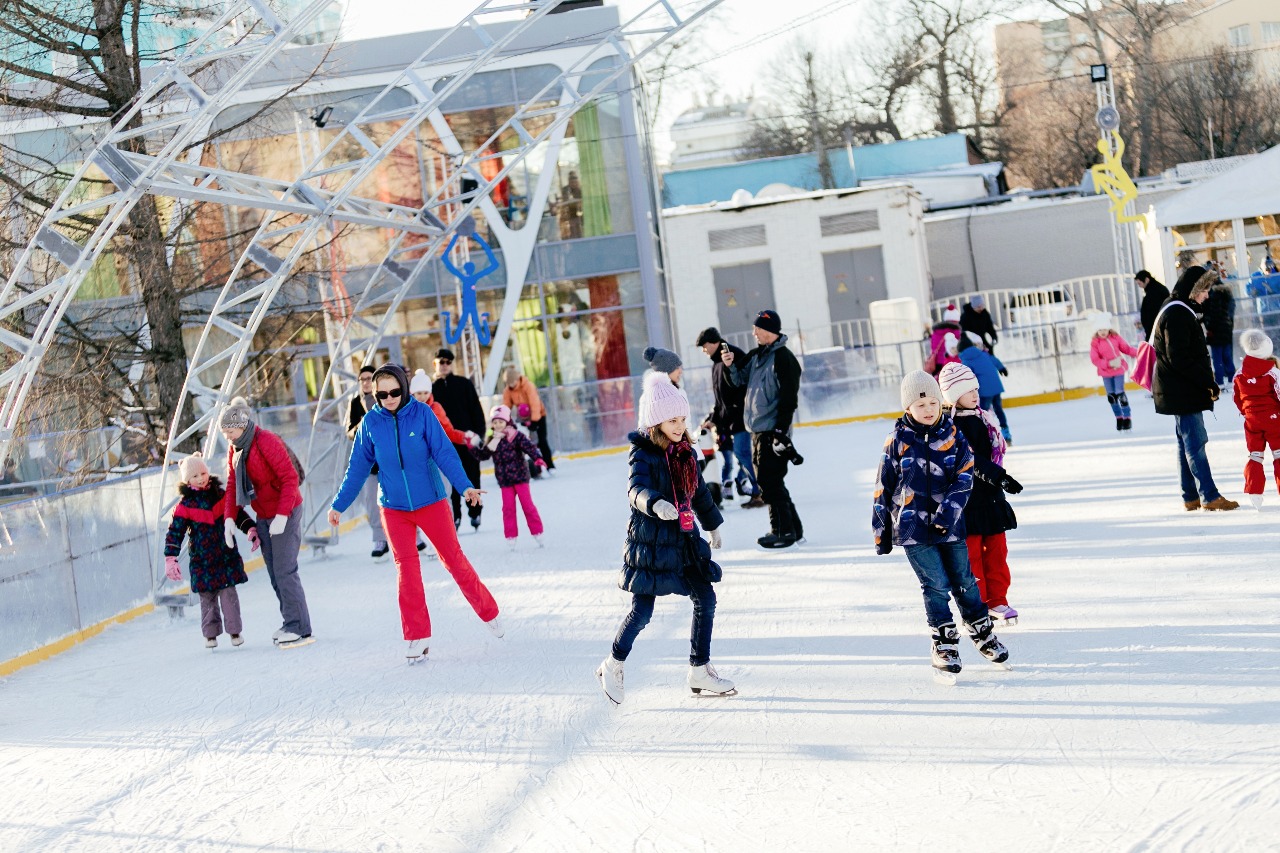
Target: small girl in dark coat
{"x": 215, "y": 566}
{"x": 987, "y": 515}
{"x": 509, "y": 448}
{"x": 664, "y": 553}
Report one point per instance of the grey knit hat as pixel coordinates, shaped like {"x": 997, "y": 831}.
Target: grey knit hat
{"x": 917, "y": 385}
{"x": 236, "y": 415}
{"x": 662, "y": 360}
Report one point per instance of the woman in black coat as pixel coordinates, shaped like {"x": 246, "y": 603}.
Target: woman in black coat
{"x": 663, "y": 553}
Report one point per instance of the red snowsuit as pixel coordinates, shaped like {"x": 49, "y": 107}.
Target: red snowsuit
{"x": 1257, "y": 396}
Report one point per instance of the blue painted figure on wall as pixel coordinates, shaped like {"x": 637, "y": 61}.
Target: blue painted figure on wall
{"x": 469, "y": 275}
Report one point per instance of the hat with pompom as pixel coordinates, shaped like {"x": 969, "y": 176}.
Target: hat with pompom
{"x": 951, "y": 314}
{"x": 1256, "y": 343}
{"x": 661, "y": 400}
{"x": 192, "y": 467}
{"x": 237, "y": 414}
{"x": 420, "y": 382}
{"x": 955, "y": 380}
{"x": 662, "y": 360}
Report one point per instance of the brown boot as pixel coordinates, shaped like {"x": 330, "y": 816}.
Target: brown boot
{"x": 1221, "y": 503}
{"x": 755, "y": 503}
{"x": 1191, "y": 506}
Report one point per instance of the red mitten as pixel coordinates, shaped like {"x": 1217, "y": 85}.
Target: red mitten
{"x": 171, "y": 569}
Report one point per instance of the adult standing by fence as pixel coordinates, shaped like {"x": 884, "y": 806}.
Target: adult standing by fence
{"x": 261, "y": 474}
{"x": 977, "y": 319}
{"x": 361, "y": 403}
{"x": 520, "y": 391}
{"x": 1220, "y": 331}
{"x": 1183, "y": 386}
{"x": 771, "y": 376}
{"x": 462, "y": 404}
{"x": 727, "y": 413}
{"x": 1154, "y": 295}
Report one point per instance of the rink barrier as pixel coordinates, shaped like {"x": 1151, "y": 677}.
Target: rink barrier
{"x": 57, "y": 647}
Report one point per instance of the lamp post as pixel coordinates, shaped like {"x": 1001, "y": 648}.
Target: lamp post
{"x": 1108, "y": 120}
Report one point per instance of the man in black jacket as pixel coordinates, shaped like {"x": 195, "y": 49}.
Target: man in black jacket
{"x": 726, "y": 416}
{"x": 462, "y": 404}
{"x": 361, "y": 403}
{"x": 1182, "y": 385}
{"x": 1154, "y": 295}
{"x": 977, "y": 319}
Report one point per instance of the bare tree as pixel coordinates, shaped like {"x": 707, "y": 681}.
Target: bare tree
{"x": 1218, "y": 106}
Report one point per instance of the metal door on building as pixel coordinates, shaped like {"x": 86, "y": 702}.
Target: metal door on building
{"x": 742, "y": 292}
{"x": 855, "y": 279}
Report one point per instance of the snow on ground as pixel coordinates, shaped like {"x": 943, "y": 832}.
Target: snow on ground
{"x": 1140, "y": 715}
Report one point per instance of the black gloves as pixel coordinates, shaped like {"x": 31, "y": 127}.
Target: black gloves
{"x": 1214, "y": 393}
{"x": 941, "y": 531}
{"x": 1004, "y": 371}
{"x": 1010, "y": 485}
{"x": 885, "y": 545}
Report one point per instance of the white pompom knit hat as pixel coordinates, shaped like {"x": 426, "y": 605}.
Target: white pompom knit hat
{"x": 420, "y": 381}
{"x": 661, "y": 401}
{"x": 956, "y": 380}
{"x": 1256, "y": 343}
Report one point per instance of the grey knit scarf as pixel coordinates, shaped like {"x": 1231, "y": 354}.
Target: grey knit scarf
{"x": 245, "y": 492}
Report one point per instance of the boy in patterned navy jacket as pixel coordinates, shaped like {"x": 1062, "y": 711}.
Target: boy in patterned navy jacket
{"x": 925, "y": 476}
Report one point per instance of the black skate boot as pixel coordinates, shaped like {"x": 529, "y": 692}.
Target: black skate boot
{"x": 946, "y": 653}
{"x": 983, "y": 635}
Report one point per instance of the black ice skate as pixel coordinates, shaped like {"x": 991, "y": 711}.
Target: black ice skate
{"x": 946, "y": 653}
{"x": 983, "y": 635}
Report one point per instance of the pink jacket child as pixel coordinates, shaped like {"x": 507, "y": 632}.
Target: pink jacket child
{"x": 508, "y": 448}
{"x": 944, "y": 339}
{"x": 1107, "y": 351}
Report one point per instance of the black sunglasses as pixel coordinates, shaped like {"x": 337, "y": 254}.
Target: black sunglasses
{"x": 444, "y": 361}
{"x": 394, "y": 394}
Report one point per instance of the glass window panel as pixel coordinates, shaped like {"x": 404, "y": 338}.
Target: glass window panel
{"x": 485, "y": 89}
{"x": 591, "y": 194}
{"x": 1194, "y": 236}
{"x": 606, "y": 291}
{"x": 532, "y": 79}
{"x": 1262, "y": 226}
{"x": 1264, "y": 256}
{"x": 588, "y": 257}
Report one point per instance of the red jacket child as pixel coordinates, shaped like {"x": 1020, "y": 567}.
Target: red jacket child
{"x": 1257, "y": 396}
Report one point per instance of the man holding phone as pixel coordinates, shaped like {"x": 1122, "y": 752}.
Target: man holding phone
{"x": 726, "y": 416}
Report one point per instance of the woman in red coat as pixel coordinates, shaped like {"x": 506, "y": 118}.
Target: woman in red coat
{"x": 260, "y": 474}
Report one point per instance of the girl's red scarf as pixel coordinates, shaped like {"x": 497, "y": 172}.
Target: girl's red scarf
{"x": 683, "y": 466}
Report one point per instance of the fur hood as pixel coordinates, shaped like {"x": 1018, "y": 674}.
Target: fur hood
{"x": 214, "y": 488}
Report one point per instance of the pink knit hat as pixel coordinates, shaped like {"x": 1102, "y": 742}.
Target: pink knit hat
{"x": 191, "y": 466}
{"x": 661, "y": 401}
{"x": 500, "y": 413}
{"x": 956, "y": 380}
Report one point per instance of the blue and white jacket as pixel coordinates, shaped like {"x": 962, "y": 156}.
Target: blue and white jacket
{"x": 925, "y": 476}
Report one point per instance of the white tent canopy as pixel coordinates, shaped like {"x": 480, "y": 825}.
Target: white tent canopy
{"x": 1252, "y": 189}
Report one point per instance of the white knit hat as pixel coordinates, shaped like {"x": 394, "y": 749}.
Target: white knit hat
{"x": 955, "y": 380}
{"x": 661, "y": 401}
{"x": 951, "y": 314}
{"x": 420, "y": 381}
{"x": 917, "y": 385}
{"x": 1101, "y": 321}
{"x": 950, "y": 342}
{"x": 191, "y": 466}
{"x": 1256, "y": 343}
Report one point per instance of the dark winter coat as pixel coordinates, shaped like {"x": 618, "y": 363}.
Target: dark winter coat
{"x": 461, "y": 403}
{"x": 987, "y": 512}
{"x": 355, "y": 414}
{"x": 727, "y": 415}
{"x": 980, "y": 323}
{"x": 1154, "y": 295}
{"x": 214, "y": 566}
{"x": 509, "y": 466}
{"x": 1220, "y": 316}
{"x": 1183, "y": 381}
{"x": 656, "y": 552}
{"x": 771, "y": 376}
{"x": 925, "y": 476}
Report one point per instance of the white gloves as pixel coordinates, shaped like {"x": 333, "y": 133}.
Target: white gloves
{"x": 278, "y": 524}
{"x": 715, "y": 539}
{"x": 665, "y": 510}
{"x": 473, "y": 439}
{"x": 229, "y": 532}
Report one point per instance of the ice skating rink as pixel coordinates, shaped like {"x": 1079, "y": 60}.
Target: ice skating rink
{"x": 1141, "y": 714}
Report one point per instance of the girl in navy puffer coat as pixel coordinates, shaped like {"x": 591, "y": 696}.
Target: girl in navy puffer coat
{"x": 508, "y": 447}
{"x": 663, "y": 553}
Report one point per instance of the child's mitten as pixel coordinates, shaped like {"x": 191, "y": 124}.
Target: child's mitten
{"x": 715, "y": 539}
{"x": 171, "y": 569}
{"x": 1010, "y": 485}
{"x": 473, "y": 439}
{"x": 665, "y": 510}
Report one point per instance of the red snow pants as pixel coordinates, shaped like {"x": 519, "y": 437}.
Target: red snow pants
{"x": 1256, "y": 442}
{"x": 436, "y": 521}
{"x": 510, "y": 494}
{"x": 989, "y": 561}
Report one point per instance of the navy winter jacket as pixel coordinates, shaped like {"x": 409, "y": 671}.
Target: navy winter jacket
{"x": 656, "y": 551}
{"x": 411, "y": 451}
{"x": 925, "y": 476}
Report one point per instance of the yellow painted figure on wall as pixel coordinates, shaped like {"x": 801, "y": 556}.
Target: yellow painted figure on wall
{"x": 1110, "y": 177}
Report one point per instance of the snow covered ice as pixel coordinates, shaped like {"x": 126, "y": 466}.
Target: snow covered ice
{"x": 1140, "y": 715}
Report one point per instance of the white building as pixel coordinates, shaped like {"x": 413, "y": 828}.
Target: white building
{"x": 710, "y": 136}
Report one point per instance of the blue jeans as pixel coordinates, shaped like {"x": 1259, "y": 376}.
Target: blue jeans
{"x": 1193, "y": 461}
{"x": 993, "y": 404}
{"x": 1116, "y": 395}
{"x": 742, "y": 450}
{"x": 704, "y": 617}
{"x": 1224, "y": 363}
{"x": 943, "y": 571}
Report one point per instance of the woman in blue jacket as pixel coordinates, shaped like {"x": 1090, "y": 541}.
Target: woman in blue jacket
{"x": 988, "y": 369}
{"x": 404, "y": 438}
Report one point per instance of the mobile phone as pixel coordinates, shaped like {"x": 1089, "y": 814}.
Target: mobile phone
{"x": 724, "y": 347}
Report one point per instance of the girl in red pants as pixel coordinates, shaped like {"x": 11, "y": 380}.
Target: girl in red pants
{"x": 508, "y": 447}
{"x": 987, "y": 515}
{"x": 409, "y": 446}
{"x": 1257, "y": 396}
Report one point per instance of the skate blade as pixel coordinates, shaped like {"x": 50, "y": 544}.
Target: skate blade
{"x": 600, "y": 678}
{"x": 947, "y": 679}
{"x": 1004, "y": 666}
{"x": 305, "y": 641}
{"x": 703, "y": 693}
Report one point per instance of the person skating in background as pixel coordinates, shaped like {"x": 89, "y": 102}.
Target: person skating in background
{"x": 457, "y": 395}
{"x": 770, "y": 374}
{"x": 663, "y": 553}
{"x": 1154, "y": 296}
{"x": 361, "y": 403}
{"x": 1220, "y": 332}
{"x": 728, "y": 418}
{"x": 923, "y": 482}
{"x": 509, "y": 448}
{"x": 261, "y": 474}
{"x": 941, "y": 351}
{"x": 665, "y": 361}
{"x": 1107, "y": 350}
{"x": 420, "y": 389}
{"x": 987, "y": 514}
{"x": 214, "y": 561}
{"x": 1183, "y": 386}
{"x": 520, "y": 392}
{"x": 408, "y": 444}
{"x": 988, "y": 369}
{"x": 977, "y": 319}
{"x": 1257, "y": 396}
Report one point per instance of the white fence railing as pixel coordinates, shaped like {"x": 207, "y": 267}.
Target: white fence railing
{"x": 1053, "y": 303}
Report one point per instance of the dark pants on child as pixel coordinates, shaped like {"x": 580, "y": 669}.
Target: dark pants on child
{"x": 771, "y": 474}
{"x": 471, "y": 465}
{"x": 943, "y": 571}
{"x": 280, "y": 553}
{"x": 704, "y": 616}
{"x": 218, "y": 608}
{"x": 989, "y": 562}
{"x": 1256, "y": 442}
{"x": 1224, "y": 363}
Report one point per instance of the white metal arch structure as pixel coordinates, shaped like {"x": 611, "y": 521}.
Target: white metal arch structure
{"x": 173, "y": 107}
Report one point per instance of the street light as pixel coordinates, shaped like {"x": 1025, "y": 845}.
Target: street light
{"x": 321, "y": 118}
{"x": 1098, "y": 73}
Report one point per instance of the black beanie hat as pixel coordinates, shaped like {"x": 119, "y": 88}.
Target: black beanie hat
{"x": 445, "y": 352}
{"x": 709, "y": 335}
{"x": 769, "y": 321}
